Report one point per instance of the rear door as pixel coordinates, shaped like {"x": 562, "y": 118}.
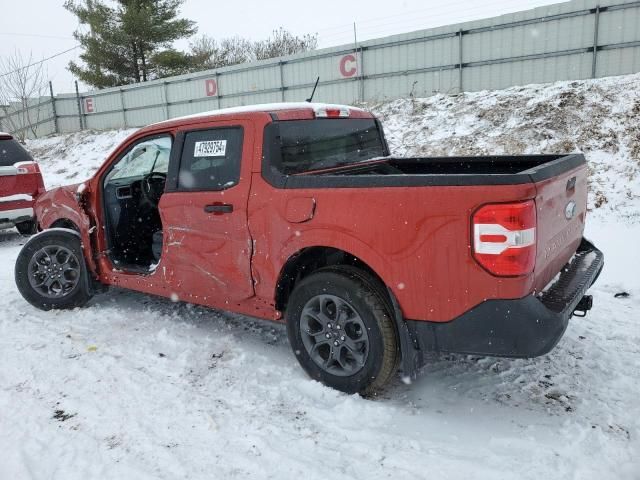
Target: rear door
{"x": 207, "y": 246}
{"x": 561, "y": 203}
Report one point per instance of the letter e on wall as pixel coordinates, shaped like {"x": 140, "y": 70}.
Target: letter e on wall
{"x": 88, "y": 105}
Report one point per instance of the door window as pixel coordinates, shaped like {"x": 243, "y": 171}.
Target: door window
{"x": 211, "y": 159}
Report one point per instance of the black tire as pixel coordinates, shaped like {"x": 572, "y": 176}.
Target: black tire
{"x": 73, "y": 281}
{"x": 27, "y": 228}
{"x": 377, "y": 358}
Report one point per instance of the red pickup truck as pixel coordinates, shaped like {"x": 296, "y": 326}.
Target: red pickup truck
{"x": 297, "y": 213}
{"x": 20, "y": 184}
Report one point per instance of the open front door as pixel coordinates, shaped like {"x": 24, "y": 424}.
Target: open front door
{"x": 207, "y": 246}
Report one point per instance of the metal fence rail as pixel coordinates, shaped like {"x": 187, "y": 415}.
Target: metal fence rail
{"x": 574, "y": 40}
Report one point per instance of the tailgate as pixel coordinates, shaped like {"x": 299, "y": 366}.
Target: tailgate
{"x": 19, "y": 174}
{"x": 13, "y": 182}
{"x": 7, "y": 180}
{"x": 561, "y": 203}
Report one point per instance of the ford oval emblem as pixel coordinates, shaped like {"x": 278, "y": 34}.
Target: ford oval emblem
{"x": 570, "y": 210}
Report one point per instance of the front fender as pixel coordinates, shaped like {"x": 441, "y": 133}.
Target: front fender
{"x": 61, "y": 204}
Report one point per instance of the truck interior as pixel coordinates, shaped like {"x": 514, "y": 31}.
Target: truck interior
{"x": 131, "y": 193}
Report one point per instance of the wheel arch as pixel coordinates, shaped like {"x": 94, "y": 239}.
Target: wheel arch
{"x": 309, "y": 259}
{"x": 65, "y": 223}
{"x": 59, "y": 208}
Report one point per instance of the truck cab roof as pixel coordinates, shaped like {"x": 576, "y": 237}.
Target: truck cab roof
{"x": 280, "y": 111}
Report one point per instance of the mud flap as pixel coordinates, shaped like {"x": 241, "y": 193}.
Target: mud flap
{"x": 411, "y": 357}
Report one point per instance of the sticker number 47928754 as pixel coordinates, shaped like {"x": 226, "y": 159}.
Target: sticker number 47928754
{"x": 210, "y": 148}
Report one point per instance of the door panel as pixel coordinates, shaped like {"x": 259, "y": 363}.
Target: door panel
{"x": 207, "y": 245}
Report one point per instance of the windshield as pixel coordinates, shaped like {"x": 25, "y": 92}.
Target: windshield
{"x": 147, "y": 156}
{"x": 308, "y": 145}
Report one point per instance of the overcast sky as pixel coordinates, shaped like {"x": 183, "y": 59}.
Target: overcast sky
{"x": 44, "y": 27}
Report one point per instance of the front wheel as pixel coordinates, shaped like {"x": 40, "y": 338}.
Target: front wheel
{"x": 341, "y": 330}
{"x": 50, "y": 272}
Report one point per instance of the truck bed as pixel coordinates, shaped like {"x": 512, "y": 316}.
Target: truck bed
{"x": 462, "y": 170}
{"x": 422, "y": 209}
{"x": 491, "y": 165}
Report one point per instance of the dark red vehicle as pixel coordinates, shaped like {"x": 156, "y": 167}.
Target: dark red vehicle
{"x": 297, "y": 213}
{"x": 20, "y": 184}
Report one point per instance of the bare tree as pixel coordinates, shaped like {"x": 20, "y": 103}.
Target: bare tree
{"x": 23, "y": 84}
{"x": 206, "y": 52}
{"x": 282, "y": 42}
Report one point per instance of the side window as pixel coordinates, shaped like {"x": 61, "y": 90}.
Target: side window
{"x": 146, "y": 156}
{"x": 211, "y": 159}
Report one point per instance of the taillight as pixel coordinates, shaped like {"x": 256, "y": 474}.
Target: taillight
{"x": 504, "y": 238}
{"x": 27, "y": 167}
{"x": 331, "y": 112}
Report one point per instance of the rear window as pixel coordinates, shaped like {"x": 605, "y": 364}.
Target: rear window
{"x": 308, "y": 145}
{"x": 12, "y": 152}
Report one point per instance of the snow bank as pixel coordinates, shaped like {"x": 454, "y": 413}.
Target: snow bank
{"x": 600, "y": 118}
{"x": 74, "y": 157}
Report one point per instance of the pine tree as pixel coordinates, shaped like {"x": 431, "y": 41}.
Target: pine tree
{"x": 129, "y": 42}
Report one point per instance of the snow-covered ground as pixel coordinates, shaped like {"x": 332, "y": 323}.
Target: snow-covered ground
{"x": 138, "y": 387}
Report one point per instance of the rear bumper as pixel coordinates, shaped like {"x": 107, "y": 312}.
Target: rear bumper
{"x": 525, "y": 327}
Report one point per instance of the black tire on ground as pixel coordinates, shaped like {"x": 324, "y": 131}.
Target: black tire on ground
{"x": 341, "y": 330}
{"x": 50, "y": 271}
{"x": 27, "y": 228}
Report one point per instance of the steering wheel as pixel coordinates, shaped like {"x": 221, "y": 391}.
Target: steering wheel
{"x": 153, "y": 186}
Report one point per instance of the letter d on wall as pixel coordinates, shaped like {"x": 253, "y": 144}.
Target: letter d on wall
{"x": 211, "y": 87}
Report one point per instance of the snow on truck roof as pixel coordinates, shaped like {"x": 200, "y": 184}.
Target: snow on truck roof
{"x": 263, "y": 107}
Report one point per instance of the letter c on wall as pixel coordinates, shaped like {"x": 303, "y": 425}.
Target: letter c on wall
{"x": 348, "y": 66}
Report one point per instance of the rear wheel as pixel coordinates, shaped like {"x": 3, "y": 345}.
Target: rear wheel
{"x": 50, "y": 272}
{"x": 27, "y": 228}
{"x": 341, "y": 331}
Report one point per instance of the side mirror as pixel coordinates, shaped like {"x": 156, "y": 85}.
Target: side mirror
{"x": 81, "y": 192}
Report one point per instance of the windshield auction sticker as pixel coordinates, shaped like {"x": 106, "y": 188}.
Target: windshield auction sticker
{"x": 210, "y": 148}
